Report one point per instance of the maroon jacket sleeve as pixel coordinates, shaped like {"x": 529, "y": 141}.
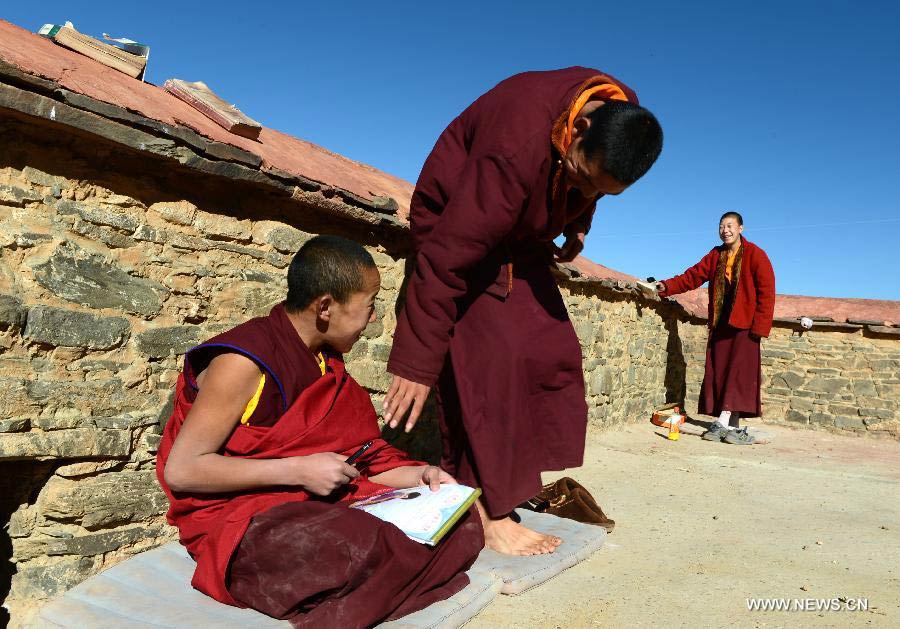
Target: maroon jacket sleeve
{"x": 485, "y": 207}
{"x": 764, "y": 280}
{"x": 386, "y": 457}
{"x": 585, "y": 219}
{"x": 694, "y": 277}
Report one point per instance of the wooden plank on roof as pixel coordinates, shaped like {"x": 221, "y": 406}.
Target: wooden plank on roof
{"x": 200, "y": 97}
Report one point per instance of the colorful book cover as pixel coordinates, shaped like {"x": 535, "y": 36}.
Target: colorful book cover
{"x": 424, "y": 515}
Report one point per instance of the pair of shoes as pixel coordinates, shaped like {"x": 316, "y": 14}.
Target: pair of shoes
{"x": 715, "y": 432}
{"x": 739, "y": 437}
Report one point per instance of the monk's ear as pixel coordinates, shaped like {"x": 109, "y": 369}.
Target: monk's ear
{"x": 580, "y": 125}
{"x": 324, "y": 307}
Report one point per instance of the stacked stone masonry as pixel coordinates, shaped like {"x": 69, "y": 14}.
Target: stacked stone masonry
{"x": 835, "y": 379}
{"x": 112, "y": 268}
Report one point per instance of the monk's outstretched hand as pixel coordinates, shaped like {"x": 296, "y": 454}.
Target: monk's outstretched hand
{"x": 404, "y": 395}
{"x": 573, "y": 245}
{"x": 319, "y": 474}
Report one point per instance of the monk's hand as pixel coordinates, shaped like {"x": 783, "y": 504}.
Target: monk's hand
{"x": 433, "y": 477}
{"x": 404, "y": 395}
{"x": 573, "y": 245}
{"x": 321, "y": 473}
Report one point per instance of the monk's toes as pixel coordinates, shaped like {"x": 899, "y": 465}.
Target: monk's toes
{"x": 544, "y": 548}
{"x": 534, "y": 548}
{"x": 551, "y": 542}
{"x": 529, "y": 551}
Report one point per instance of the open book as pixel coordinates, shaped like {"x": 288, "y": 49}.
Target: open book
{"x": 424, "y": 515}
{"x": 648, "y": 288}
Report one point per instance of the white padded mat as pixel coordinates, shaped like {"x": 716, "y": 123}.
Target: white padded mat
{"x": 153, "y": 589}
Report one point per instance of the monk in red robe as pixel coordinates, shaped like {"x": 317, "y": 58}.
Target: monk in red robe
{"x": 254, "y": 462}
{"x": 741, "y": 307}
{"x": 484, "y": 319}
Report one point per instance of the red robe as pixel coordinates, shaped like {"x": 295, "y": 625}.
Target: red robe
{"x": 753, "y": 305}
{"x": 502, "y": 350}
{"x": 737, "y": 310}
{"x": 332, "y": 414}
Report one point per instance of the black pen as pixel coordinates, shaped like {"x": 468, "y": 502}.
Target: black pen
{"x": 355, "y": 456}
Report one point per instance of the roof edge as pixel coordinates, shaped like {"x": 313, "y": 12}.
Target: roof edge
{"x": 46, "y": 100}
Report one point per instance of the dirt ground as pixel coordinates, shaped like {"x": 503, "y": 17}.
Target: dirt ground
{"x": 703, "y": 526}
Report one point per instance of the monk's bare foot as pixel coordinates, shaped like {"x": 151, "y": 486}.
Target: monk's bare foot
{"x": 510, "y": 538}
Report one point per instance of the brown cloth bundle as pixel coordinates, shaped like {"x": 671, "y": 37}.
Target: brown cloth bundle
{"x": 566, "y": 498}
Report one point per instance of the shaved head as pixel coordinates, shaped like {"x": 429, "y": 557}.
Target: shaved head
{"x": 326, "y": 265}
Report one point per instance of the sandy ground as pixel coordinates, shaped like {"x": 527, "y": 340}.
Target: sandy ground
{"x": 703, "y": 526}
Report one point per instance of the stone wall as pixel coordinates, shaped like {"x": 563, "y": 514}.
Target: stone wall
{"x": 107, "y": 276}
{"x": 113, "y": 264}
{"x": 841, "y": 377}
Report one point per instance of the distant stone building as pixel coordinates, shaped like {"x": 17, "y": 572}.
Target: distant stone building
{"x": 132, "y": 227}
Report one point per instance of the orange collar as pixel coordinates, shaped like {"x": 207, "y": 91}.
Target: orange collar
{"x": 599, "y": 86}
{"x": 606, "y": 91}
{"x": 595, "y": 87}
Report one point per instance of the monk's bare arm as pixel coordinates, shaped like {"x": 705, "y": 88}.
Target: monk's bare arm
{"x": 195, "y": 464}
{"x": 413, "y": 476}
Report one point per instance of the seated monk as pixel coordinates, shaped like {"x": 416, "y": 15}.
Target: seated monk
{"x": 253, "y": 461}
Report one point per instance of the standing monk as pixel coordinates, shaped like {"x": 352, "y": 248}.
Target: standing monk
{"x": 484, "y": 319}
{"x": 741, "y": 306}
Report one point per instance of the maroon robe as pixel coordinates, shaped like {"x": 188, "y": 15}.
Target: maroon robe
{"x": 732, "y": 374}
{"x": 283, "y": 551}
{"x": 501, "y": 349}
{"x": 733, "y": 369}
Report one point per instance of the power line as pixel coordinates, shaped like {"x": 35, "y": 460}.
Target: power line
{"x": 595, "y": 236}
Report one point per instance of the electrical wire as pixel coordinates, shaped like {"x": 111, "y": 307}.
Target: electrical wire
{"x": 596, "y": 234}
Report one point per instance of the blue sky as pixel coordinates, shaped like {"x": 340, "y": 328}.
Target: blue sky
{"x": 784, "y": 111}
